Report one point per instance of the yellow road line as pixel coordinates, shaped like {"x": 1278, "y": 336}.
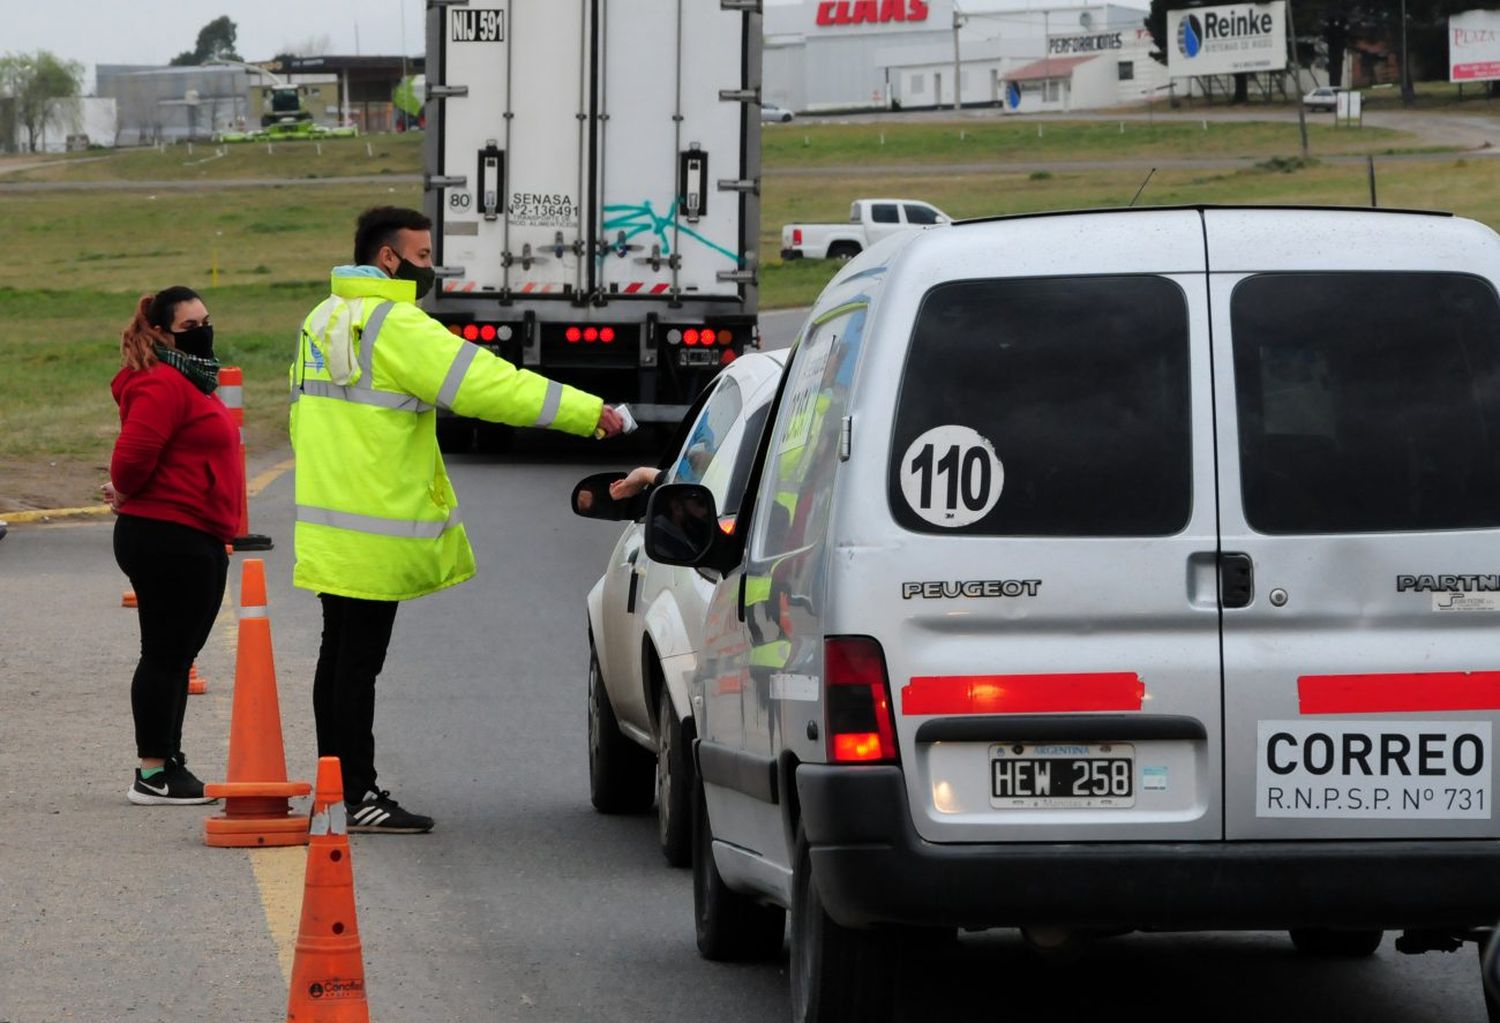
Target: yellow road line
{"x": 271, "y": 475}
{"x": 279, "y": 874}
{"x": 48, "y": 514}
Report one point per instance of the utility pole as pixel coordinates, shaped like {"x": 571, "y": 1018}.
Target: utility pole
{"x": 958, "y": 98}
{"x": 1408, "y": 94}
{"x": 1291, "y": 31}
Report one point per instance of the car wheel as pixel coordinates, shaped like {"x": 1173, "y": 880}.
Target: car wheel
{"x": 1321, "y": 941}
{"x": 786, "y": 118}
{"x": 620, "y": 772}
{"x": 454, "y": 436}
{"x": 674, "y": 786}
{"x": 843, "y": 251}
{"x": 494, "y": 438}
{"x": 730, "y": 927}
{"x": 837, "y": 973}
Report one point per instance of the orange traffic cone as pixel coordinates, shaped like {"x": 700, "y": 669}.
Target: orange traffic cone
{"x": 128, "y": 600}
{"x": 328, "y": 973}
{"x": 197, "y": 684}
{"x": 256, "y": 812}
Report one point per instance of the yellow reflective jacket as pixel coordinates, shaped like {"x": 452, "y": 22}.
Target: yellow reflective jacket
{"x": 377, "y": 517}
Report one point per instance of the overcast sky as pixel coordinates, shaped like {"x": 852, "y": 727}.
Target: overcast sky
{"x": 154, "y": 31}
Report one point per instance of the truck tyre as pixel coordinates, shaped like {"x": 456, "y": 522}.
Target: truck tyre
{"x": 1321, "y": 941}
{"x": 730, "y": 927}
{"x": 674, "y": 785}
{"x": 843, "y": 251}
{"x": 494, "y": 438}
{"x": 454, "y": 436}
{"x": 620, "y": 772}
{"x": 837, "y": 973}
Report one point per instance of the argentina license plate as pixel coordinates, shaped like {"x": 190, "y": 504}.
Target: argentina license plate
{"x": 1062, "y": 775}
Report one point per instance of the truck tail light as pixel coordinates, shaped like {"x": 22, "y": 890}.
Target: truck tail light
{"x": 487, "y": 332}
{"x": 690, "y": 336}
{"x": 471, "y": 332}
{"x": 607, "y": 335}
{"x": 857, "y": 697}
{"x": 574, "y": 335}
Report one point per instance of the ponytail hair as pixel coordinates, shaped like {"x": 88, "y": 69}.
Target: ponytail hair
{"x": 151, "y": 326}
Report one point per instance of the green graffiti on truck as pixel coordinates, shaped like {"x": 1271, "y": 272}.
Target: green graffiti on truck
{"x": 634, "y": 221}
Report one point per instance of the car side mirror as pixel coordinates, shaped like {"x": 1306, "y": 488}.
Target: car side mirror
{"x": 591, "y": 499}
{"x": 682, "y": 525}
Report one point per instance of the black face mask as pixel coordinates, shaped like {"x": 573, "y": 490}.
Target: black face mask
{"x": 421, "y": 276}
{"x": 197, "y": 341}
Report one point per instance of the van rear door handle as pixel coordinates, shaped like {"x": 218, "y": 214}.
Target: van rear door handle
{"x": 1236, "y": 580}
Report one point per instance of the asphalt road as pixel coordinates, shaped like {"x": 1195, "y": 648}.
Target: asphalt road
{"x": 524, "y": 904}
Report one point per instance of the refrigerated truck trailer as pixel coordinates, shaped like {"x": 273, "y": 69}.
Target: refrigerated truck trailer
{"x": 593, "y": 178}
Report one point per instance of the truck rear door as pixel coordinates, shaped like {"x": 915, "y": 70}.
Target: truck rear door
{"x": 666, "y": 138}
{"x": 513, "y": 145}
{"x": 1359, "y": 457}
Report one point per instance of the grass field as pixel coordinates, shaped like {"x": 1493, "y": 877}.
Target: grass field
{"x": 84, "y": 255}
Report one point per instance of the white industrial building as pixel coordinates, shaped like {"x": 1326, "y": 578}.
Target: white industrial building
{"x": 822, "y": 56}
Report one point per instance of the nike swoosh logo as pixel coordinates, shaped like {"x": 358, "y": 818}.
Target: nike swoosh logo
{"x": 159, "y": 791}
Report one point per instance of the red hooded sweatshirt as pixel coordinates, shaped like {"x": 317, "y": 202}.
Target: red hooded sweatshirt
{"x": 177, "y": 458}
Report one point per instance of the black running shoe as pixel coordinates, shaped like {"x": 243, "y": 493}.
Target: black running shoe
{"x": 177, "y": 763}
{"x": 378, "y": 812}
{"x": 173, "y": 786}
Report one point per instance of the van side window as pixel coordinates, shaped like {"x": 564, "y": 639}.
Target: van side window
{"x": 801, "y": 461}
{"x": 1081, "y": 388}
{"x": 1367, "y": 402}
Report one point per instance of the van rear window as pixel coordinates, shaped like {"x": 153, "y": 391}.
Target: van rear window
{"x": 1367, "y": 402}
{"x": 1046, "y": 407}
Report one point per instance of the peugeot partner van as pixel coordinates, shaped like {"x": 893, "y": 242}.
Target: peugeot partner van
{"x": 1112, "y": 570}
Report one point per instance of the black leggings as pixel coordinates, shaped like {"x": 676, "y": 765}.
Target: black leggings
{"x": 178, "y": 574}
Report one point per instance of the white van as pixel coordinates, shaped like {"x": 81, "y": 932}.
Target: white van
{"x": 1112, "y": 570}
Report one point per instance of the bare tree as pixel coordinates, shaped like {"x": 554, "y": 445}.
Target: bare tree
{"x": 35, "y": 83}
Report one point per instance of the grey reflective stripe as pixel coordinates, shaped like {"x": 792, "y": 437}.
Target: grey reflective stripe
{"x": 455, "y": 378}
{"x": 367, "y": 339}
{"x": 232, "y": 397}
{"x": 257, "y": 611}
{"x": 364, "y": 396}
{"x": 333, "y": 819}
{"x": 550, "y": 406}
{"x": 404, "y": 528}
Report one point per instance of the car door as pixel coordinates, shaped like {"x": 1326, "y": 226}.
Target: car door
{"x": 884, "y": 221}
{"x": 620, "y": 657}
{"x": 1359, "y": 454}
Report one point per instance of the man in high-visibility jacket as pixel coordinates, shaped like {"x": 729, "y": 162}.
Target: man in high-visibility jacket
{"x": 377, "y": 519}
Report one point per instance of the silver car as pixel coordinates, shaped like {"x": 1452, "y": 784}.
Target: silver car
{"x": 1132, "y": 569}
{"x": 646, "y": 619}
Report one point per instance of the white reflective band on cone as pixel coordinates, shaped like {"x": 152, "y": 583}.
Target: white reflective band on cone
{"x": 333, "y": 819}
{"x": 254, "y": 611}
{"x": 233, "y": 397}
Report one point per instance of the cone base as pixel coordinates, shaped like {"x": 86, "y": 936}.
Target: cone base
{"x": 254, "y": 833}
{"x": 197, "y": 687}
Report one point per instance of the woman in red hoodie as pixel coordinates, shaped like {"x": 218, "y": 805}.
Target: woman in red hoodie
{"x": 176, "y": 483}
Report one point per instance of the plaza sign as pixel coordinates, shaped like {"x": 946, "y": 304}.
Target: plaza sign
{"x": 1226, "y": 40}
{"x": 1474, "y": 46}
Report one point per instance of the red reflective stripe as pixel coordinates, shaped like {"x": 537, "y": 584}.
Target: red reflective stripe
{"x": 1399, "y": 693}
{"x": 660, "y": 288}
{"x": 633, "y": 287}
{"x": 1022, "y": 694}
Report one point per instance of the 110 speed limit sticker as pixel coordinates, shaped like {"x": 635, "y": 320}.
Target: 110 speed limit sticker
{"x": 951, "y": 476}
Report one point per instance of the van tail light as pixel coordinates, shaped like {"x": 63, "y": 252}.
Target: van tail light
{"x": 796, "y": 236}
{"x": 857, "y": 695}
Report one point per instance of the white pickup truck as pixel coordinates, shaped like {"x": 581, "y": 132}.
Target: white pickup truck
{"x": 870, "y": 221}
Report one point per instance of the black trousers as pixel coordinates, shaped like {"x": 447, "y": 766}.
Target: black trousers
{"x": 356, "y": 634}
{"x": 178, "y": 575}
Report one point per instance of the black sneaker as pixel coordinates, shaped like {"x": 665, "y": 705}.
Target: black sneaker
{"x": 173, "y": 786}
{"x": 177, "y": 764}
{"x": 378, "y": 812}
